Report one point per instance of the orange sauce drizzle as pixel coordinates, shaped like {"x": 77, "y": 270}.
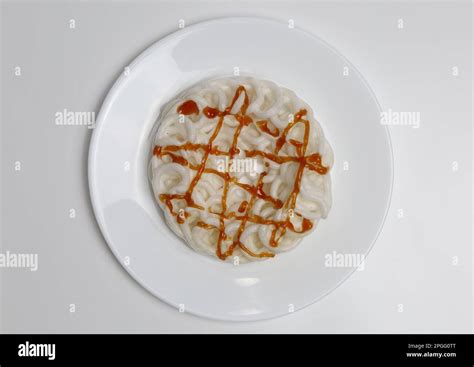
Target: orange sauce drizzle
{"x": 263, "y": 125}
{"x": 188, "y": 108}
{"x": 311, "y": 162}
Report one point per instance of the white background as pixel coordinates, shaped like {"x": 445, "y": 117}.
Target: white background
{"x": 409, "y": 69}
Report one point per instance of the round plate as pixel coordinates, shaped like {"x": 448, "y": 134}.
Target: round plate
{"x": 132, "y": 223}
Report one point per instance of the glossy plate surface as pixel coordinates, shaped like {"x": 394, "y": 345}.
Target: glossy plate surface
{"x": 132, "y": 223}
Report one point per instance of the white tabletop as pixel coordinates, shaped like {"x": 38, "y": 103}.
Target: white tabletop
{"x": 416, "y": 57}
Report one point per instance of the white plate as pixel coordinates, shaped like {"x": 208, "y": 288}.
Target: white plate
{"x": 132, "y": 223}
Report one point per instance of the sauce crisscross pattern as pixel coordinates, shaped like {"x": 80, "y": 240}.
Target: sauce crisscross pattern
{"x": 256, "y": 191}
